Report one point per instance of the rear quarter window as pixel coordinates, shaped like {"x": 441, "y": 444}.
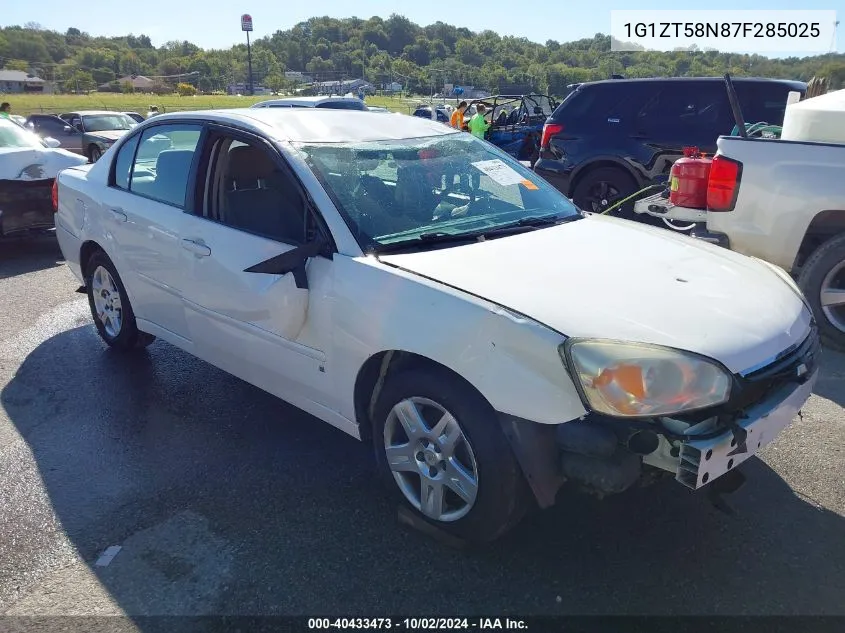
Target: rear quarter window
{"x": 762, "y": 101}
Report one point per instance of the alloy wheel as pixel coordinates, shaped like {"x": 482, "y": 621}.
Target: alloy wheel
{"x": 431, "y": 459}
{"x": 107, "y": 301}
{"x": 832, "y": 296}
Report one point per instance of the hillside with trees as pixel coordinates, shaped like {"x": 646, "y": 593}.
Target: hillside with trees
{"x": 381, "y": 50}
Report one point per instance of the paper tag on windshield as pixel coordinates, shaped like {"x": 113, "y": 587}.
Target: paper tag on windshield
{"x": 499, "y": 172}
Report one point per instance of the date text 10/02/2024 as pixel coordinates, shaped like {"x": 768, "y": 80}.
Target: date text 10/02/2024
{"x": 417, "y": 624}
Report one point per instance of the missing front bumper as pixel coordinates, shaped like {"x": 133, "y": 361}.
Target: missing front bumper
{"x": 703, "y": 461}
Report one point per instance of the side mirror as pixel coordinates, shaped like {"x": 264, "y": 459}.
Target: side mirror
{"x": 51, "y": 142}
{"x": 292, "y": 261}
{"x": 67, "y": 129}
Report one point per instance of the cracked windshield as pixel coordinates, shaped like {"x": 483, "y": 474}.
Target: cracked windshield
{"x": 393, "y": 192}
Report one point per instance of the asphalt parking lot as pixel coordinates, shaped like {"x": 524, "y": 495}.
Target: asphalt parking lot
{"x": 227, "y": 501}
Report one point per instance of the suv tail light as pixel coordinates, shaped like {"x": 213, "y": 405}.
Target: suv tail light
{"x": 55, "y": 195}
{"x": 549, "y": 130}
{"x": 723, "y": 185}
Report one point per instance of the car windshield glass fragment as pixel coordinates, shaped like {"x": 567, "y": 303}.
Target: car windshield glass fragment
{"x": 396, "y": 191}
{"x": 107, "y": 122}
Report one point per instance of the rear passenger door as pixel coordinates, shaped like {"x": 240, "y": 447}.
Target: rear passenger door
{"x": 682, "y": 114}
{"x": 143, "y": 210}
{"x": 261, "y": 325}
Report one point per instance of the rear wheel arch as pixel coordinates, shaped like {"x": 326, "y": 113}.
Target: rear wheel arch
{"x": 824, "y": 225}
{"x": 87, "y": 250}
{"x": 603, "y": 163}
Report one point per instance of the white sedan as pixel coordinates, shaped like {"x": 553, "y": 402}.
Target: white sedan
{"x": 419, "y": 289}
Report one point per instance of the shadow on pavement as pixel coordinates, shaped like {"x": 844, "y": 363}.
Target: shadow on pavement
{"x": 28, "y": 253}
{"x": 228, "y": 501}
{"x": 831, "y": 382}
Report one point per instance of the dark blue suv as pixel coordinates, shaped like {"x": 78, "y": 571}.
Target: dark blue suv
{"x": 609, "y": 139}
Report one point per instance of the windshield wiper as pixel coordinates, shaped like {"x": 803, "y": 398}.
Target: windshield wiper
{"x": 437, "y": 237}
{"x": 442, "y": 237}
{"x": 531, "y": 222}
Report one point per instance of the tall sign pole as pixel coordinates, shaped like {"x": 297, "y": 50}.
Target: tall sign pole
{"x": 246, "y": 26}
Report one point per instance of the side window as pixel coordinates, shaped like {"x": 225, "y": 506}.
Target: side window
{"x": 123, "y": 163}
{"x": 163, "y": 162}
{"x": 248, "y": 190}
{"x": 53, "y": 126}
{"x": 681, "y": 109}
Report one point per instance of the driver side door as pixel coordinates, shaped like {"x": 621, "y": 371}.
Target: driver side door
{"x": 247, "y": 312}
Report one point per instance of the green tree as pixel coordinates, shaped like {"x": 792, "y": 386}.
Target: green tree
{"x": 17, "y": 64}
{"x": 80, "y": 81}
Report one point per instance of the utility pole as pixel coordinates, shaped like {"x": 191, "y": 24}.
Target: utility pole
{"x": 246, "y": 26}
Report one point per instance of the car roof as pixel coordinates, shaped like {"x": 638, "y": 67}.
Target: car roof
{"x": 90, "y": 112}
{"x": 797, "y": 85}
{"x": 315, "y": 125}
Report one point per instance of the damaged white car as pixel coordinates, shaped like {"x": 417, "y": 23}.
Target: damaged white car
{"x": 28, "y": 168}
{"x": 419, "y": 289}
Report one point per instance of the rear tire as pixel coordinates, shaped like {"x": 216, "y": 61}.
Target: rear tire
{"x": 449, "y": 460}
{"x": 110, "y": 306}
{"x": 821, "y": 275}
{"x": 599, "y": 188}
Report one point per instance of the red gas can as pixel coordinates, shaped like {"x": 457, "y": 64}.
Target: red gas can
{"x": 688, "y": 179}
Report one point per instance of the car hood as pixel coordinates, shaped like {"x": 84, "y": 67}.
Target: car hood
{"x": 108, "y": 135}
{"x": 36, "y": 163}
{"x": 608, "y": 278}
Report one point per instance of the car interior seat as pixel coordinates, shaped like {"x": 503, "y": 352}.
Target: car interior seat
{"x": 260, "y": 198}
{"x": 171, "y": 177}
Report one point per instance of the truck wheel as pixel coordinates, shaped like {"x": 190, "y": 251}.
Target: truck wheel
{"x": 439, "y": 446}
{"x": 822, "y": 281}
{"x": 600, "y": 188}
{"x": 110, "y": 306}
{"x": 94, "y": 153}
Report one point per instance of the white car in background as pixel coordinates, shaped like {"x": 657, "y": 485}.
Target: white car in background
{"x": 331, "y": 103}
{"x": 485, "y": 336}
{"x": 28, "y": 167}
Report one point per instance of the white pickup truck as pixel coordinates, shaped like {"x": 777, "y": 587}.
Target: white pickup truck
{"x": 783, "y": 202}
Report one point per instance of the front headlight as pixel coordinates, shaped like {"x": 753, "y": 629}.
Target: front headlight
{"x": 630, "y": 380}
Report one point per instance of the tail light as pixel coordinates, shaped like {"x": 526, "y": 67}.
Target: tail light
{"x": 723, "y": 185}
{"x": 549, "y": 130}
{"x": 55, "y": 195}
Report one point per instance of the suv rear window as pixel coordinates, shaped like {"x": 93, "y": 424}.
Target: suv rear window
{"x": 343, "y": 105}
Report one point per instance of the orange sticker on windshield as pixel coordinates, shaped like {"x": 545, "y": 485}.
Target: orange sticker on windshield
{"x": 529, "y": 185}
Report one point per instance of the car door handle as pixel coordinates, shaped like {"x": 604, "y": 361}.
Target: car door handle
{"x": 196, "y": 248}
{"x": 119, "y": 215}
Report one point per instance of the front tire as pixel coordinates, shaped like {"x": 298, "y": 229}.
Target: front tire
{"x": 94, "y": 153}
{"x": 439, "y": 446}
{"x": 822, "y": 280}
{"x": 110, "y": 306}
